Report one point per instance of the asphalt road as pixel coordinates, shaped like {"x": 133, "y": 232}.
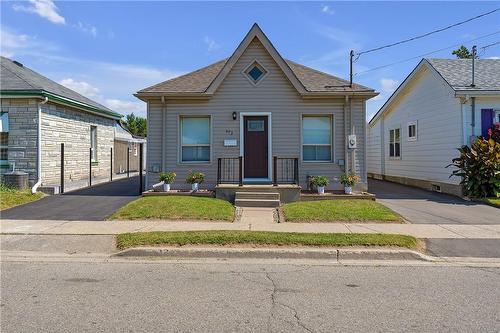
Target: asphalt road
{"x": 90, "y": 204}
{"x": 425, "y": 207}
{"x": 243, "y": 297}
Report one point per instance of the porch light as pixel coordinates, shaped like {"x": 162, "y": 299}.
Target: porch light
{"x": 235, "y": 115}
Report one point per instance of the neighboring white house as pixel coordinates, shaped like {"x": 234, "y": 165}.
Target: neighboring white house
{"x": 438, "y": 108}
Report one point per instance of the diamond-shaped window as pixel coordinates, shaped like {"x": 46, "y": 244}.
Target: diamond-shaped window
{"x": 255, "y": 72}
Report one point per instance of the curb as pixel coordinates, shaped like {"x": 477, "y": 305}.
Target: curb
{"x": 336, "y": 254}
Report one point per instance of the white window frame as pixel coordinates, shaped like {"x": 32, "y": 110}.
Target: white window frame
{"x": 395, "y": 157}
{"x": 93, "y": 142}
{"x": 411, "y": 138}
{"x": 209, "y": 145}
{"x": 305, "y": 115}
{"x": 497, "y": 116}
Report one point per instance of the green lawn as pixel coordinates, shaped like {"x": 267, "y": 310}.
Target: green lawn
{"x": 11, "y": 197}
{"x": 338, "y": 210}
{"x": 226, "y": 237}
{"x": 492, "y": 201}
{"x": 176, "y": 208}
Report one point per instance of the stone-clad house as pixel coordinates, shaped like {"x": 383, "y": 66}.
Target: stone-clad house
{"x": 236, "y": 116}
{"x": 37, "y": 115}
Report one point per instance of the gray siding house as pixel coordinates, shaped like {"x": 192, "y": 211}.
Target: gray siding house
{"x": 439, "y": 107}
{"x": 257, "y": 115}
{"x": 37, "y": 115}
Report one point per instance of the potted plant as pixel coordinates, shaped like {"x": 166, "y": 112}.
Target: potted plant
{"x": 195, "y": 178}
{"x": 167, "y": 178}
{"x": 349, "y": 180}
{"x": 320, "y": 182}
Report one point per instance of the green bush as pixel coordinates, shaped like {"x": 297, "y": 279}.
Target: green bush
{"x": 167, "y": 177}
{"x": 320, "y": 181}
{"x": 195, "y": 177}
{"x": 479, "y": 167}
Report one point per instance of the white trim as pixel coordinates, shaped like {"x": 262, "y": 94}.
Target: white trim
{"x": 412, "y": 123}
{"x": 400, "y": 145}
{"x": 247, "y": 75}
{"x": 242, "y": 115}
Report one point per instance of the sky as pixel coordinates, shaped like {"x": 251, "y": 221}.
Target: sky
{"x": 108, "y": 50}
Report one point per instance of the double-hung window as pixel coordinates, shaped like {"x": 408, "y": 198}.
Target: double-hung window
{"x": 195, "y": 139}
{"x": 93, "y": 142}
{"x": 395, "y": 142}
{"x": 317, "y": 138}
{"x": 4, "y": 141}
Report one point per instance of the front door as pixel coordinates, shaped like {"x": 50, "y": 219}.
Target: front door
{"x": 255, "y": 147}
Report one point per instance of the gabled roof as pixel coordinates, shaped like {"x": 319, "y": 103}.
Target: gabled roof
{"x": 457, "y": 74}
{"x": 17, "y": 79}
{"x": 206, "y": 80}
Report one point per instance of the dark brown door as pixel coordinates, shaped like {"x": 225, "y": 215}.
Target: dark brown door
{"x": 255, "y": 147}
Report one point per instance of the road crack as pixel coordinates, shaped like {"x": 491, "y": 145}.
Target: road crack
{"x": 275, "y": 302}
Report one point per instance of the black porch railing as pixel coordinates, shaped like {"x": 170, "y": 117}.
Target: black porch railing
{"x": 285, "y": 170}
{"x": 230, "y": 170}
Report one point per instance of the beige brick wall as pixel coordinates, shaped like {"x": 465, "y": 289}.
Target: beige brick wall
{"x": 71, "y": 127}
{"x": 23, "y": 119}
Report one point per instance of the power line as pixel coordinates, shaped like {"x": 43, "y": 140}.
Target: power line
{"x": 427, "y": 34}
{"x": 490, "y": 45}
{"x": 428, "y": 53}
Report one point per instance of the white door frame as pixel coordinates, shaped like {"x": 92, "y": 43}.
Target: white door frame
{"x": 269, "y": 145}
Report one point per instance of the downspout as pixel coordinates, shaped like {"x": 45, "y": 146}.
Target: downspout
{"x": 163, "y": 136}
{"x": 346, "y": 154}
{"x": 39, "y": 147}
{"x": 351, "y": 123}
{"x": 473, "y": 116}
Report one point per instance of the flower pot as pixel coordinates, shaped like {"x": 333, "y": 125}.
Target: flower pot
{"x": 347, "y": 189}
{"x": 321, "y": 189}
{"x": 166, "y": 187}
{"x": 194, "y": 187}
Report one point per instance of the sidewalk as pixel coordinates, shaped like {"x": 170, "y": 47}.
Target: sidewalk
{"x": 430, "y": 231}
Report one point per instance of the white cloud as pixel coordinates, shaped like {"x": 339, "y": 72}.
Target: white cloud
{"x": 211, "y": 44}
{"x": 86, "y": 28}
{"x": 123, "y": 106}
{"x": 82, "y": 87}
{"x": 13, "y": 43}
{"x": 327, "y": 10}
{"x": 388, "y": 85}
{"x": 494, "y": 57}
{"x": 44, "y": 8}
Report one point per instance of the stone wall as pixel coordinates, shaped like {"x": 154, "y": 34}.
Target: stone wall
{"x": 71, "y": 127}
{"x": 23, "y": 124}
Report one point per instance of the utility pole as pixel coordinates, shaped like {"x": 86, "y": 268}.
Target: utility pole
{"x": 474, "y": 51}
{"x": 351, "y": 58}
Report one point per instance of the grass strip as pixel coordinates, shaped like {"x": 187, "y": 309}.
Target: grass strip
{"x": 175, "y": 208}
{"x": 492, "y": 201}
{"x": 12, "y": 197}
{"x": 230, "y": 237}
{"x": 338, "y": 210}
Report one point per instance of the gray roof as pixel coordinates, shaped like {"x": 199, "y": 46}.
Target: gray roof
{"x": 199, "y": 80}
{"x": 458, "y": 73}
{"x": 17, "y": 77}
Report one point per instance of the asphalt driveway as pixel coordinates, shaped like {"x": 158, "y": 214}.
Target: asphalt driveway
{"x": 90, "y": 204}
{"x": 425, "y": 207}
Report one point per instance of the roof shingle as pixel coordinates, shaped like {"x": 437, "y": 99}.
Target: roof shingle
{"x": 458, "y": 73}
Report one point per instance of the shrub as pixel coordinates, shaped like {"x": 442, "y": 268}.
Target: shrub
{"x": 320, "y": 181}
{"x": 349, "y": 179}
{"x": 195, "y": 177}
{"x": 494, "y": 132}
{"x": 167, "y": 177}
{"x": 479, "y": 167}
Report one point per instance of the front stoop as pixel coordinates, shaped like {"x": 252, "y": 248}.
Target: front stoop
{"x": 257, "y": 199}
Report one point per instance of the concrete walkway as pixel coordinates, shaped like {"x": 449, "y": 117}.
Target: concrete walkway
{"x": 437, "y": 231}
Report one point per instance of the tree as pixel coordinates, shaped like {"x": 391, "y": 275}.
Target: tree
{"x": 136, "y": 125}
{"x": 463, "y": 53}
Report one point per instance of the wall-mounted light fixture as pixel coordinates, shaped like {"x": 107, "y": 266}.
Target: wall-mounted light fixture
{"x": 235, "y": 115}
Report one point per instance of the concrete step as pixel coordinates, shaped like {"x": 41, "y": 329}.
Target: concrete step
{"x": 257, "y": 195}
{"x": 257, "y": 202}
